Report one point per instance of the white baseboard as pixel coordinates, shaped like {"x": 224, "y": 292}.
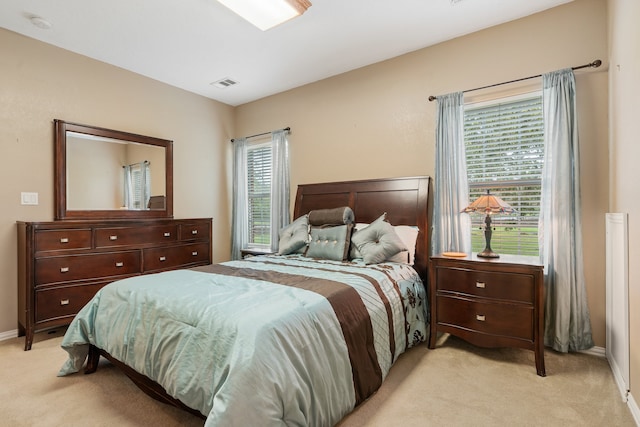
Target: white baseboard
{"x": 8, "y": 335}
{"x": 633, "y": 407}
{"x": 595, "y": 351}
{"x": 619, "y": 378}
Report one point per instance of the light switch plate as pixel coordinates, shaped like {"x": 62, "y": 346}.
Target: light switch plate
{"x": 27, "y": 198}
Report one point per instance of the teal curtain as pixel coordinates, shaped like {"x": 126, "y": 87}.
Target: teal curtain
{"x": 240, "y": 208}
{"x": 280, "y": 188}
{"x": 567, "y": 322}
{"x": 451, "y": 229}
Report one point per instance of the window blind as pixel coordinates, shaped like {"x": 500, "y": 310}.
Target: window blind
{"x": 504, "y": 144}
{"x": 259, "y": 194}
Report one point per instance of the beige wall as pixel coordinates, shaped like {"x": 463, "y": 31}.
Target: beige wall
{"x": 371, "y": 122}
{"x": 40, "y": 83}
{"x": 376, "y": 121}
{"x": 624, "y": 41}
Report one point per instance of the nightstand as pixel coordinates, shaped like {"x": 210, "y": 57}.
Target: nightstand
{"x": 489, "y": 302}
{"x": 246, "y": 253}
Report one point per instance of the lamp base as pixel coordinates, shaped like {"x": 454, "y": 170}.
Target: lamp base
{"x": 488, "y": 253}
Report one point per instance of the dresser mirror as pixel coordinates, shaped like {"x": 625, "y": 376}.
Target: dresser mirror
{"x": 103, "y": 173}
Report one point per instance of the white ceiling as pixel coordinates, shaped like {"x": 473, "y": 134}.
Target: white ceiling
{"x": 192, "y": 43}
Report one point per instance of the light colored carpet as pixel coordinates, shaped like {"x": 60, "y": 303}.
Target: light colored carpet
{"x": 454, "y": 385}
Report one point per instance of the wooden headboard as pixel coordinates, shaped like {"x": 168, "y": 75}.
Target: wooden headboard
{"x": 405, "y": 200}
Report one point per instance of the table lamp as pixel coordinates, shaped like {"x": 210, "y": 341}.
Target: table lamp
{"x": 489, "y": 204}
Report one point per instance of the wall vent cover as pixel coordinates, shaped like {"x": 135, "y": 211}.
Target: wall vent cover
{"x": 224, "y": 83}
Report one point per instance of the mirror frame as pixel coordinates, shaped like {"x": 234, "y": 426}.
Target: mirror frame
{"x": 60, "y": 196}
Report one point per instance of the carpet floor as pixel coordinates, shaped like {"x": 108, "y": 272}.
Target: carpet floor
{"x": 456, "y": 384}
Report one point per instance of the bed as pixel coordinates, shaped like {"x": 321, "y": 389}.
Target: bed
{"x": 270, "y": 340}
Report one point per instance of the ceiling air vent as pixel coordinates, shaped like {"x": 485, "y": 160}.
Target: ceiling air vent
{"x": 224, "y": 83}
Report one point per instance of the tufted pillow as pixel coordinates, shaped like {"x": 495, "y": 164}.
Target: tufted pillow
{"x": 294, "y": 236}
{"x": 330, "y": 242}
{"x": 377, "y": 242}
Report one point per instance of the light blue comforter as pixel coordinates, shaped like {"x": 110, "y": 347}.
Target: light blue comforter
{"x": 247, "y": 351}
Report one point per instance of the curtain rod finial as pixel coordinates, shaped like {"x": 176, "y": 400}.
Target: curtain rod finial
{"x": 432, "y": 98}
{"x": 596, "y": 63}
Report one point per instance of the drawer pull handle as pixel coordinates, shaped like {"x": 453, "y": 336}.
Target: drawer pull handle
{"x": 64, "y": 301}
{"x": 480, "y": 285}
{"x": 64, "y": 240}
{"x": 119, "y": 264}
{"x": 113, "y": 237}
{"x": 64, "y": 269}
{"x": 163, "y": 258}
{"x": 194, "y": 231}
{"x": 480, "y": 317}
{"x": 167, "y": 234}
{"x": 194, "y": 253}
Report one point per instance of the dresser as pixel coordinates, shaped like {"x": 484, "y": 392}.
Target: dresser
{"x": 489, "y": 302}
{"x": 62, "y": 264}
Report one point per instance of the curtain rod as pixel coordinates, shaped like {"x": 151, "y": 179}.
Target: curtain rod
{"x": 287, "y": 129}
{"x": 594, "y": 64}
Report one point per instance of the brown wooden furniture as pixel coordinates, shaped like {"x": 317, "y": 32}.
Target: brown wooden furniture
{"x": 490, "y": 302}
{"x": 62, "y": 264}
{"x": 406, "y": 201}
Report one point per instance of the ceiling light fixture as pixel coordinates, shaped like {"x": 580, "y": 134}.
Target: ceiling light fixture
{"x": 40, "y": 22}
{"x": 266, "y": 14}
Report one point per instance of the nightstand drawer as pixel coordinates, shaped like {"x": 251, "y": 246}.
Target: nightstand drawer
{"x": 504, "y": 286}
{"x": 508, "y": 320}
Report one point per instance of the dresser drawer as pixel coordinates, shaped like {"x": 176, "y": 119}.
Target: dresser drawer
{"x": 59, "y": 240}
{"x": 498, "y": 285}
{"x": 134, "y": 236}
{"x": 194, "y": 231}
{"x": 79, "y": 267}
{"x": 508, "y": 320}
{"x": 175, "y": 256}
{"x": 64, "y": 301}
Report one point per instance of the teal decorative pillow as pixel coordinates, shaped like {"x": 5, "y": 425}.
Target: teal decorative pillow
{"x": 377, "y": 242}
{"x": 330, "y": 242}
{"x": 294, "y": 236}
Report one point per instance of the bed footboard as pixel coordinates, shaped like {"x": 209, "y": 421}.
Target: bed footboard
{"x": 150, "y": 387}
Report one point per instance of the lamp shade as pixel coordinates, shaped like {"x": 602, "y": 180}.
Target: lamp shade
{"x": 489, "y": 204}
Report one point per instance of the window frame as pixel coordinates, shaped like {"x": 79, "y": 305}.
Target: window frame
{"x": 515, "y": 233}
{"x": 251, "y": 196}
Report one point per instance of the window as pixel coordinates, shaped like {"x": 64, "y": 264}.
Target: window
{"x": 137, "y": 178}
{"x": 259, "y": 194}
{"x": 504, "y": 145}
